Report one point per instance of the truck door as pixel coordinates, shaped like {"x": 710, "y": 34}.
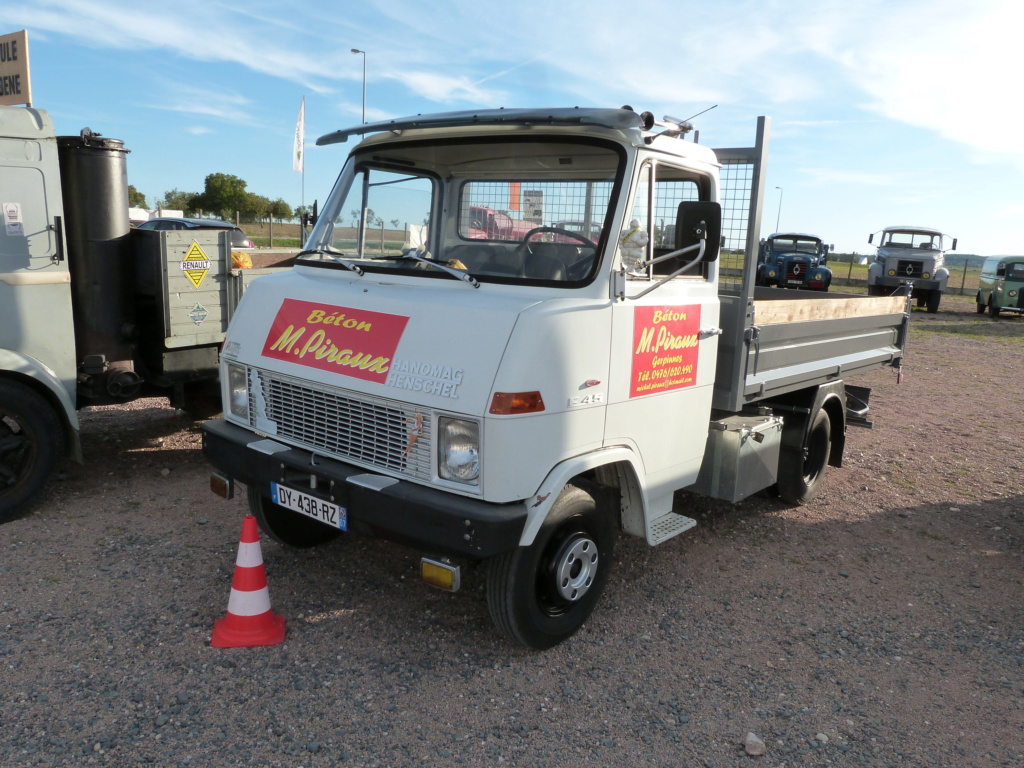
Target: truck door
{"x": 663, "y": 366}
{"x": 35, "y": 285}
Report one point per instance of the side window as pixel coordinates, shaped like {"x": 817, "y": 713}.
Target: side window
{"x": 660, "y": 190}
{"x": 383, "y": 212}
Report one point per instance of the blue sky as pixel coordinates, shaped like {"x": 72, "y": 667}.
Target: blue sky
{"x": 883, "y": 111}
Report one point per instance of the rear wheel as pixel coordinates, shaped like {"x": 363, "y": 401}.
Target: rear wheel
{"x": 287, "y": 527}
{"x": 541, "y": 594}
{"x": 801, "y": 471}
{"x": 31, "y": 443}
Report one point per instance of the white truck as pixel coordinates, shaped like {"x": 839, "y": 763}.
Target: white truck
{"x": 910, "y": 256}
{"x": 520, "y": 399}
{"x": 93, "y": 312}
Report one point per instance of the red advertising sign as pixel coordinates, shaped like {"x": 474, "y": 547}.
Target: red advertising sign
{"x": 352, "y": 342}
{"x": 665, "y": 345}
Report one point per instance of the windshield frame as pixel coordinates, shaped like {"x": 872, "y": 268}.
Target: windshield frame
{"x": 442, "y": 233}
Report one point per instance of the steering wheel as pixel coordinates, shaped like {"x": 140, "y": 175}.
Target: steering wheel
{"x": 525, "y": 243}
{"x": 578, "y": 269}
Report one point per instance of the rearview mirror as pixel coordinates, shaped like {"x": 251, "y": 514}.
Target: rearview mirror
{"x": 698, "y": 220}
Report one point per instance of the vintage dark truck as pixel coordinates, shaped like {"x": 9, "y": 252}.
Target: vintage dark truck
{"x": 793, "y": 260}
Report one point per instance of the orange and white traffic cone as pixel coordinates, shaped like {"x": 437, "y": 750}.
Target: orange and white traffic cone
{"x": 250, "y": 621}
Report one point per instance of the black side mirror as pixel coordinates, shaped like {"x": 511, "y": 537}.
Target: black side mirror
{"x": 696, "y": 221}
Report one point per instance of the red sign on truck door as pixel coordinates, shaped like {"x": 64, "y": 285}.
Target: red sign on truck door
{"x": 665, "y": 346}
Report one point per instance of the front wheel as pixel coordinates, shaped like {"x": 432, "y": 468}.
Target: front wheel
{"x": 541, "y": 594}
{"x": 993, "y": 308}
{"x": 801, "y": 472}
{"x": 31, "y": 443}
{"x": 981, "y": 304}
{"x": 933, "y": 302}
{"x": 287, "y": 527}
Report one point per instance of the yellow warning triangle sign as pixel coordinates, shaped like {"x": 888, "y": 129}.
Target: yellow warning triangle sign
{"x": 195, "y": 265}
{"x": 196, "y": 276}
{"x": 195, "y": 253}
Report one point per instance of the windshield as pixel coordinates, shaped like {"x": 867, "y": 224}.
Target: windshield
{"x": 505, "y": 211}
{"x": 1015, "y": 271}
{"x": 795, "y": 244}
{"x": 909, "y": 239}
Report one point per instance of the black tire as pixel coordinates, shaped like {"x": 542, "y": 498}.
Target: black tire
{"x": 874, "y": 290}
{"x": 981, "y": 304}
{"x": 541, "y": 594}
{"x": 801, "y": 471}
{"x": 933, "y": 302}
{"x": 993, "y": 309}
{"x": 31, "y": 444}
{"x": 287, "y": 527}
{"x": 201, "y": 399}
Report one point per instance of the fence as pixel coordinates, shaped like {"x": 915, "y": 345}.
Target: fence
{"x": 963, "y": 279}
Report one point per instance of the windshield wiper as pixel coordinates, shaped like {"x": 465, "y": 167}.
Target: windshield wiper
{"x": 332, "y": 254}
{"x": 464, "y": 276}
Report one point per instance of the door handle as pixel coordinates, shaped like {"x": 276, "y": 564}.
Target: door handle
{"x": 707, "y": 333}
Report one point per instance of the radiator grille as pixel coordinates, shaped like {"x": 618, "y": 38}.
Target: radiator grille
{"x": 796, "y": 270}
{"x": 906, "y": 268}
{"x": 365, "y": 430}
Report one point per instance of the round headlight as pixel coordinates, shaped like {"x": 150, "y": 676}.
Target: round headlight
{"x": 892, "y": 273}
{"x": 1013, "y": 293}
{"x": 459, "y": 451}
{"x": 771, "y": 273}
{"x": 926, "y": 275}
{"x": 238, "y": 391}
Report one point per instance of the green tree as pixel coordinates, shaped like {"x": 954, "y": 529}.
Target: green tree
{"x": 176, "y": 200}
{"x": 280, "y": 210}
{"x": 223, "y": 194}
{"x": 256, "y": 207}
{"x": 135, "y": 198}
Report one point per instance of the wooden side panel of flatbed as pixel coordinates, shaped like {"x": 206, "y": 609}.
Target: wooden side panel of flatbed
{"x": 782, "y": 341}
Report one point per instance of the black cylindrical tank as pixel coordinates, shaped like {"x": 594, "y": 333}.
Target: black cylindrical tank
{"x": 94, "y": 178}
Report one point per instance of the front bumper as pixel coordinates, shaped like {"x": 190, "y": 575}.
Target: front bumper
{"x": 378, "y": 505}
{"x": 919, "y": 283}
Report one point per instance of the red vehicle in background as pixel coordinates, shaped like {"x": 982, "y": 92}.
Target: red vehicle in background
{"x": 489, "y": 224}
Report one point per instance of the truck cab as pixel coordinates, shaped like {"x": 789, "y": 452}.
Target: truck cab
{"x": 1001, "y": 285}
{"x": 517, "y": 399}
{"x": 913, "y": 256}
{"x": 793, "y": 260}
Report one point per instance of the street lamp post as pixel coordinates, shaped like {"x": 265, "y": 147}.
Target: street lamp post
{"x": 780, "y": 209}
{"x": 356, "y": 50}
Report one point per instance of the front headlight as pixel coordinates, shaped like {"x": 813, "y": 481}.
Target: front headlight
{"x": 926, "y": 275}
{"x": 238, "y": 391}
{"x": 892, "y": 273}
{"x": 458, "y": 450}
{"x": 771, "y": 273}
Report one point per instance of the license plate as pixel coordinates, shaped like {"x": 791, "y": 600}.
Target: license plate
{"x": 310, "y": 506}
{"x": 795, "y": 282}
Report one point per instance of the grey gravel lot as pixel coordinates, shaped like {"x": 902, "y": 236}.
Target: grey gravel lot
{"x": 880, "y": 625}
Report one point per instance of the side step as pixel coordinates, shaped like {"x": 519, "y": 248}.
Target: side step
{"x": 665, "y": 527}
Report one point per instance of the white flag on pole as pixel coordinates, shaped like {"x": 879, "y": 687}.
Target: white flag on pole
{"x": 300, "y": 137}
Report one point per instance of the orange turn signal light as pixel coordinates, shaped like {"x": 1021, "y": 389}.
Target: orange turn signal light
{"x": 508, "y": 403}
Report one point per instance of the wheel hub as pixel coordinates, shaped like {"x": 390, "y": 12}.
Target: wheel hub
{"x": 576, "y": 568}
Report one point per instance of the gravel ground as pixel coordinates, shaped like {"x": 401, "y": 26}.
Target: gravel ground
{"x": 880, "y": 625}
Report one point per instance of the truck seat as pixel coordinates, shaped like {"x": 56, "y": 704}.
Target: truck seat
{"x": 542, "y": 264}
